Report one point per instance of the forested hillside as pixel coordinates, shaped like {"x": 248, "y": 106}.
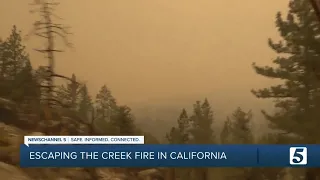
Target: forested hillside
{"x": 33, "y": 102}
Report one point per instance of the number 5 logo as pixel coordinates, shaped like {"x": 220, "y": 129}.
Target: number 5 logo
{"x": 298, "y": 156}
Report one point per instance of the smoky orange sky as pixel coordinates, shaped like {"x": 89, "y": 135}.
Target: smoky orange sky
{"x": 161, "y": 50}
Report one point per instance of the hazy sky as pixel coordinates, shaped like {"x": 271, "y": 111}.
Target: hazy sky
{"x": 161, "y": 49}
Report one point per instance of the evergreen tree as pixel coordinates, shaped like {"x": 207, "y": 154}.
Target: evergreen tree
{"x": 297, "y": 65}
{"x": 173, "y": 136}
{"x": 85, "y": 102}
{"x": 123, "y": 121}
{"x": 15, "y": 69}
{"x": 226, "y": 132}
{"x": 106, "y": 106}
{"x": 69, "y": 94}
{"x": 201, "y": 122}
{"x": 40, "y": 74}
{"x": 180, "y": 134}
{"x": 241, "y": 127}
{"x": 25, "y": 87}
{"x": 184, "y": 127}
{"x": 14, "y": 55}
{"x": 237, "y": 130}
{"x": 201, "y": 131}
{"x": 298, "y": 97}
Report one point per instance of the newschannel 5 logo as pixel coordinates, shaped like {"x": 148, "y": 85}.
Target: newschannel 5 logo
{"x": 298, "y": 156}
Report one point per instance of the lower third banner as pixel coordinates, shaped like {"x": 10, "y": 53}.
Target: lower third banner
{"x": 169, "y": 156}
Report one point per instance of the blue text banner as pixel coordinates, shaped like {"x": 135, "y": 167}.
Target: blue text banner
{"x": 170, "y": 155}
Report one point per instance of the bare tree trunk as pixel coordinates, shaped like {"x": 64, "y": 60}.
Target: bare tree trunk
{"x": 46, "y": 28}
{"x": 49, "y": 50}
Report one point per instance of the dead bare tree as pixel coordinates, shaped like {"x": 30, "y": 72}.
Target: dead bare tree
{"x": 47, "y": 29}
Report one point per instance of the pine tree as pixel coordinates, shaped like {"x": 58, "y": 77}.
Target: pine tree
{"x": 241, "y": 127}
{"x": 106, "y": 105}
{"x": 173, "y": 136}
{"x": 85, "y": 103}
{"x": 15, "y": 56}
{"x": 201, "y": 130}
{"x": 85, "y": 107}
{"x": 297, "y": 65}
{"x": 25, "y": 87}
{"x": 226, "y": 132}
{"x": 68, "y": 95}
{"x": 180, "y": 134}
{"x": 298, "y": 97}
{"x": 201, "y": 122}
{"x": 237, "y": 130}
{"x": 15, "y": 68}
{"x": 184, "y": 127}
{"x": 123, "y": 121}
